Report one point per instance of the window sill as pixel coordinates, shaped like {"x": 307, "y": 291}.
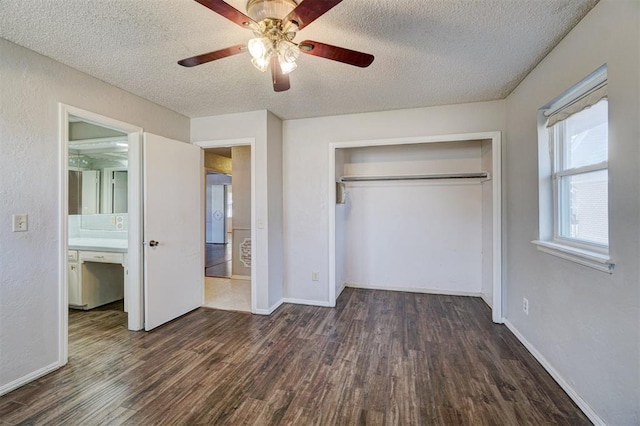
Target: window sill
{"x": 599, "y": 261}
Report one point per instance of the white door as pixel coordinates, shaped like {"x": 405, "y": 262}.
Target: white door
{"x": 173, "y": 229}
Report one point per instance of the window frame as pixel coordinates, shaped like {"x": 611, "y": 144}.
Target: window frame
{"x": 551, "y": 170}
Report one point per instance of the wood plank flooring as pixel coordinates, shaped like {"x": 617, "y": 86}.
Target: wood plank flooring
{"x": 378, "y": 358}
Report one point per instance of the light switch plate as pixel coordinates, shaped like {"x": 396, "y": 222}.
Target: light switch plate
{"x": 20, "y": 222}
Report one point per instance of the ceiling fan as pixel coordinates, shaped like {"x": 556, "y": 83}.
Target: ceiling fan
{"x": 275, "y": 24}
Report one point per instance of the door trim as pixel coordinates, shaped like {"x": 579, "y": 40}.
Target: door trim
{"x": 225, "y": 143}
{"x": 496, "y": 152}
{"x": 134, "y": 290}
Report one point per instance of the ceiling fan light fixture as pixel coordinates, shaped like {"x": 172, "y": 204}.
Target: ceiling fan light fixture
{"x": 275, "y": 24}
{"x": 269, "y": 9}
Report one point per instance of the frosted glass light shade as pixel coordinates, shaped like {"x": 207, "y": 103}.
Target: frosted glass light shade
{"x": 287, "y": 51}
{"x": 287, "y": 67}
{"x": 275, "y": 9}
{"x": 259, "y": 47}
{"x": 261, "y": 63}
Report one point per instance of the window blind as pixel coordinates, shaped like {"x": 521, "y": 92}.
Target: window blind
{"x": 575, "y": 106}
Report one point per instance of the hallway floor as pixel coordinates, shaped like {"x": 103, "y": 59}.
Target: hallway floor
{"x": 227, "y": 294}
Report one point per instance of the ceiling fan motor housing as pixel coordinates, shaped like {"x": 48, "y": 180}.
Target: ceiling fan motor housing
{"x": 269, "y": 9}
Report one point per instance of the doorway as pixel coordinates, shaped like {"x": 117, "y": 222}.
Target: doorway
{"x": 218, "y": 223}
{"x": 228, "y": 228}
{"x": 100, "y": 218}
{"x": 97, "y": 216}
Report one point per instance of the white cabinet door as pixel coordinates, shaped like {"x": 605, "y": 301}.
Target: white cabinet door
{"x": 173, "y": 229}
{"x": 74, "y": 284}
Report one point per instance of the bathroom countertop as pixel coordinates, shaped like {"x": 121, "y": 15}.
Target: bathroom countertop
{"x": 99, "y": 244}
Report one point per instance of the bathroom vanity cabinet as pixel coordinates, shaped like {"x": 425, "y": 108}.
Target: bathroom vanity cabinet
{"x": 95, "y": 278}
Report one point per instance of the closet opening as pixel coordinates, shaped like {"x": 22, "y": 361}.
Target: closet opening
{"x": 417, "y": 215}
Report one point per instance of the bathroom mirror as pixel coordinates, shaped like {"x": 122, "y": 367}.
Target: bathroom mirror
{"x": 98, "y": 176}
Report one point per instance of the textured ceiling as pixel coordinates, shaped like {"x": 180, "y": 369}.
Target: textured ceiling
{"x": 428, "y": 52}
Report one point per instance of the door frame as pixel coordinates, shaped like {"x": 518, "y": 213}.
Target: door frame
{"x": 134, "y": 256}
{"x": 496, "y": 157}
{"x": 226, "y": 143}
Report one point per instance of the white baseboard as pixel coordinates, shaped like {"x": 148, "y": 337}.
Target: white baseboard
{"x": 307, "y": 302}
{"x": 29, "y": 378}
{"x": 415, "y": 290}
{"x": 270, "y": 310}
{"x": 581, "y": 403}
{"x": 240, "y": 277}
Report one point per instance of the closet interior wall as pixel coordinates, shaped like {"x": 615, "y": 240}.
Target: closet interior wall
{"x": 429, "y": 236}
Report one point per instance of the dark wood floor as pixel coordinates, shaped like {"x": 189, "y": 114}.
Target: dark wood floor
{"x": 378, "y": 358}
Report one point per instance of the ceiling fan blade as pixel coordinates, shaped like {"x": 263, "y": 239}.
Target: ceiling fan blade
{"x": 280, "y": 80}
{"x": 229, "y": 12}
{"x": 212, "y": 56}
{"x": 309, "y": 10}
{"x": 336, "y": 53}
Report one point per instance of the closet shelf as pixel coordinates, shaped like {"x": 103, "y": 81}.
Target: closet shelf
{"x": 483, "y": 176}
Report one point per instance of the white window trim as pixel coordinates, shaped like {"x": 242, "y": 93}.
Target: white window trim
{"x": 600, "y": 261}
{"x": 593, "y": 255}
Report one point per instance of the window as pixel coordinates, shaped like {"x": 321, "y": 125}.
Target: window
{"x": 580, "y": 177}
{"x": 574, "y": 222}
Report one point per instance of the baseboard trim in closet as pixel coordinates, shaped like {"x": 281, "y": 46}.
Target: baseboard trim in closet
{"x": 415, "y": 290}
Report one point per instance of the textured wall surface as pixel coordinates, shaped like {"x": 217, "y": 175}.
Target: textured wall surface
{"x": 31, "y": 86}
{"x": 583, "y": 321}
{"x": 306, "y": 164}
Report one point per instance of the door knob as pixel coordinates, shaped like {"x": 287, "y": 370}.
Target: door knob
{"x": 153, "y": 243}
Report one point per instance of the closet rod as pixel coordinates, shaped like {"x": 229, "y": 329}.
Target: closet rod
{"x": 433, "y": 176}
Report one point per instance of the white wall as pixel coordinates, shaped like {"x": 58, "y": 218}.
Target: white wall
{"x": 487, "y": 225}
{"x": 414, "y": 235}
{"x": 306, "y": 165}
{"x": 254, "y": 125}
{"x": 584, "y": 322}
{"x": 31, "y": 86}
{"x": 241, "y": 172}
{"x": 342, "y": 156}
{"x": 274, "y": 187}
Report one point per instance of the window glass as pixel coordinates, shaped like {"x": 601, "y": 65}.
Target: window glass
{"x": 585, "y": 215}
{"x": 586, "y": 134}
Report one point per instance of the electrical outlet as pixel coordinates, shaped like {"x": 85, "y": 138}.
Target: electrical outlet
{"x": 525, "y": 305}
{"x": 20, "y": 222}
{"x": 315, "y": 276}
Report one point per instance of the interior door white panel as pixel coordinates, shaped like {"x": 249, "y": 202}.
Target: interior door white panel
{"x": 174, "y": 218}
